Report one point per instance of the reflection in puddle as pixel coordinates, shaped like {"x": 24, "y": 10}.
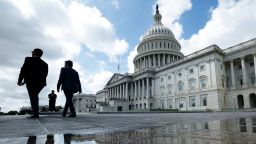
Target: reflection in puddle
{"x": 242, "y": 130}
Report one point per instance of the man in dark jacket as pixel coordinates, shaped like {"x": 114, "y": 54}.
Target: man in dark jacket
{"x": 70, "y": 84}
{"x": 33, "y": 73}
{"x": 52, "y": 100}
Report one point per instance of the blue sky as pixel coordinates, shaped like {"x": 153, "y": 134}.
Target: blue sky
{"x": 132, "y": 18}
{"x": 97, "y": 34}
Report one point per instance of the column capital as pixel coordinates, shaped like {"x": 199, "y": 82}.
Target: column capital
{"x": 242, "y": 57}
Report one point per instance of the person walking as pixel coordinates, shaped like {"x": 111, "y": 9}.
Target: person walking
{"x": 70, "y": 83}
{"x": 52, "y": 100}
{"x": 33, "y": 73}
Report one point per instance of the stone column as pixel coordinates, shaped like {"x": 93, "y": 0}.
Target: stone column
{"x": 147, "y": 87}
{"x": 135, "y": 91}
{"x": 114, "y": 92}
{"x": 153, "y": 87}
{"x": 143, "y": 88}
{"x": 120, "y": 92}
{"x": 132, "y": 91}
{"x": 154, "y": 60}
{"x": 110, "y": 93}
{"x": 244, "y": 73}
{"x": 254, "y": 59}
{"x": 164, "y": 59}
{"x": 116, "y": 97}
{"x": 149, "y": 60}
{"x": 233, "y": 80}
{"x": 126, "y": 91}
{"x": 123, "y": 97}
{"x": 139, "y": 89}
{"x": 144, "y": 62}
{"x": 168, "y": 58}
{"x": 159, "y": 57}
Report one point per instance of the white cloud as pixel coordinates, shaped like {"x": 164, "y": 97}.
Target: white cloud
{"x": 171, "y": 11}
{"x": 95, "y": 31}
{"x": 232, "y": 22}
{"x": 94, "y": 82}
{"x": 59, "y": 30}
{"x": 115, "y": 4}
{"x": 130, "y": 58}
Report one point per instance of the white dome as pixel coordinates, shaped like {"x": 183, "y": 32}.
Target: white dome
{"x": 158, "y": 29}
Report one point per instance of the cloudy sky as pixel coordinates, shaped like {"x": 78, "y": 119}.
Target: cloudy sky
{"x": 99, "y": 34}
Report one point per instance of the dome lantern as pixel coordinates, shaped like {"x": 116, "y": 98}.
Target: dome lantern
{"x": 157, "y": 16}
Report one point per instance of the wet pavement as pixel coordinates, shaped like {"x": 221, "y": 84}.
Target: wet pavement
{"x": 154, "y": 128}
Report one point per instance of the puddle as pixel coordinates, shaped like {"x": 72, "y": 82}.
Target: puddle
{"x": 242, "y": 130}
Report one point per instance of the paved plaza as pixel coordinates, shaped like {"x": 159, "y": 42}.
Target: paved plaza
{"x": 130, "y": 128}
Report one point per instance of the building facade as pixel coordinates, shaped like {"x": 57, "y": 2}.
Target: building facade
{"x": 209, "y": 79}
{"x": 84, "y": 102}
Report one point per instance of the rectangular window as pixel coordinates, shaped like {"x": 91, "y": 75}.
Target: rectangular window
{"x": 192, "y": 84}
{"x": 182, "y": 102}
{"x": 169, "y": 103}
{"x": 169, "y": 89}
{"x": 192, "y": 101}
{"x": 177, "y": 103}
{"x": 203, "y": 83}
{"x": 162, "y": 104}
{"x": 162, "y": 90}
{"x": 204, "y": 100}
{"x": 180, "y": 86}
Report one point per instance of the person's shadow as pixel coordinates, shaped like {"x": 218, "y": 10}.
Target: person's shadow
{"x": 50, "y": 139}
{"x": 67, "y": 138}
{"x": 31, "y": 140}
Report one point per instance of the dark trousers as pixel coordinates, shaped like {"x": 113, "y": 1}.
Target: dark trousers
{"x": 33, "y": 92}
{"x": 52, "y": 105}
{"x": 69, "y": 102}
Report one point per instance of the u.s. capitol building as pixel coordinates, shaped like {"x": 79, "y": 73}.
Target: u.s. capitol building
{"x": 209, "y": 79}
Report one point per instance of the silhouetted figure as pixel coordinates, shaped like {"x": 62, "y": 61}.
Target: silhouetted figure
{"x": 52, "y": 100}
{"x": 70, "y": 84}
{"x": 50, "y": 139}
{"x": 33, "y": 73}
{"x": 31, "y": 140}
{"x": 67, "y": 138}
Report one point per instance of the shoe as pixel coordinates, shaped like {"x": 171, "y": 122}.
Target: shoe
{"x": 72, "y": 115}
{"x": 32, "y": 117}
{"x": 63, "y": 115}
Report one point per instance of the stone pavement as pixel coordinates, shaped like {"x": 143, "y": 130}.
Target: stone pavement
{"x": 19, "y": 126}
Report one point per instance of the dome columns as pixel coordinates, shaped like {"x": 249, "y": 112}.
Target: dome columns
{"x": 155, "y": 60}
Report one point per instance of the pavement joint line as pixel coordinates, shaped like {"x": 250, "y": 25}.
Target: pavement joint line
{"x": 42, "y": 126}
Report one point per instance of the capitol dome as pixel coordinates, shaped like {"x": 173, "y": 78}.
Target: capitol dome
{"x": 158, "y": 46}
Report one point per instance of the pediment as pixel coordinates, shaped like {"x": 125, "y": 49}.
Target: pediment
{"x": 115, "y": 78}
